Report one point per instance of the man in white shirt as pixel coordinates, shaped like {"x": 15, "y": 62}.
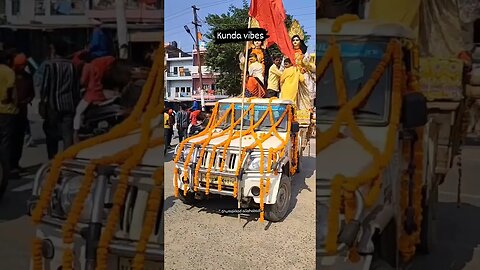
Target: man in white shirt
{"x": 274, "y": 73}
{"x": 255, "y": 85}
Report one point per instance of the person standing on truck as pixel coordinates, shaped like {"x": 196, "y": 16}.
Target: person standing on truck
{"x": 274, "y": 74}
{"x": 182, "y": 121}
{"x": 25, "y": 95}
{"x": 255, "y": 80}
{"x": 290, "y": 79}
{"x": 59, "y": 86}
{"x": 8, "y": 112}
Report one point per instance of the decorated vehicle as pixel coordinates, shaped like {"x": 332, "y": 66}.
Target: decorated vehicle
{"x": 250, "y": 154}
{"x": 376, "y": 150}
{"x": 99, "y": 204}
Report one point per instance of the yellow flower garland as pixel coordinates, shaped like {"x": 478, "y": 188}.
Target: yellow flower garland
{"x": 154, "y": 204}
{"x": 345, "y": 116}
{"x": 149, "y": 100}
{"x": 234, "y": 135}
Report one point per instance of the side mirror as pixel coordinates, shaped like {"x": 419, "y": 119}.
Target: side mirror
{"x": 414, "y": 110}
{"x": 295, "y": 127}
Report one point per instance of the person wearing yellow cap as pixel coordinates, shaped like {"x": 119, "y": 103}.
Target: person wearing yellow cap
{"x": 25, "y": 94}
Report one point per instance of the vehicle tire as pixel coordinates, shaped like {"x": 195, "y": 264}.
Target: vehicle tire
{"x": 277, "y": 212}
{"x": 3, "y": 181}
{"x": 189, "y": 199}
{"x": 386, "y": 247}
{"x": 300, "y": 151}
{"x": 428, "y": 226}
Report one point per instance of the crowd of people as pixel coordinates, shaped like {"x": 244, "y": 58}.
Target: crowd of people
{"x": 57, "y": 82}
{"x": 186, "y": 121}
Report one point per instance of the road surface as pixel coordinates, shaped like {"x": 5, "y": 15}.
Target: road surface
{"x": 200, "y": 238}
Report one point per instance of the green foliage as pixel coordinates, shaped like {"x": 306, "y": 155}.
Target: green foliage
{"x": 224, "y": 58}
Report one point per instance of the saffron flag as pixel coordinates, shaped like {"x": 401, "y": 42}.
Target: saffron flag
{"x": 271, "y": 16}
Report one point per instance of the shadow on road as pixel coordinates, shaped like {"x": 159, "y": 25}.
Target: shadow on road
{"x": 307, "y": 169}
{"x": 213, "y": 204}
{"x": 458, "y": 235}
{"x": 14, "y": 203}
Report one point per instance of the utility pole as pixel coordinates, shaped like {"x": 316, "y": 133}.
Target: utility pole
{"x": 122, "y": 31}
{"x": 197, "y": 44}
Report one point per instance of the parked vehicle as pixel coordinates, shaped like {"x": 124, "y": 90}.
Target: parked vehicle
{"x": 218, "y": 161}
{"x": 376, "y": 151}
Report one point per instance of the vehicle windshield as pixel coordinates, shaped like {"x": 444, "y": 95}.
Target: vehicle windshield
{"x": 259, "y": 110}
{"x": 359, "y": 60}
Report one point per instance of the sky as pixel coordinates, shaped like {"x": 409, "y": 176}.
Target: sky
{"x": 179, "y": 13}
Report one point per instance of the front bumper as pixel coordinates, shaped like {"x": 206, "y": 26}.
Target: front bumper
{"x": 248, "y": 182}
{"x": 120, "y": 251}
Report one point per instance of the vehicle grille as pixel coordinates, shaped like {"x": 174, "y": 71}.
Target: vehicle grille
{"x": 231, "y": 160}
{"x": 131, "y": 219}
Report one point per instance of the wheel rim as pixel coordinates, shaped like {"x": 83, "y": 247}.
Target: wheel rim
{"x": 282, "y": 198}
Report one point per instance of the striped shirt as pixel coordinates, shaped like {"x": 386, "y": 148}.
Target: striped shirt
{"x": 58, "y": 84}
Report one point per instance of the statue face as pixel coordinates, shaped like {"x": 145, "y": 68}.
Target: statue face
{"x": 296, "y": 42}
{"x": 257, "y": 44}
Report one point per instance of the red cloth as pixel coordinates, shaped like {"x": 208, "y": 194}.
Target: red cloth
{"x": 92, "y": 76}
{"x": 193, "y": 117}
{"x": 271, "y": 16}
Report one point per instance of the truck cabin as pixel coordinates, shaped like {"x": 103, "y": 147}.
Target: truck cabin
{"x": 260, "y": 106}
{"x": 362, "y": 44}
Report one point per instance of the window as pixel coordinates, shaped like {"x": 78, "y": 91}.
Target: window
{"x": 177, "y": 89}
{"x": 67, "y": 7}
{"x": 16, "y": 7}
{"x": 183, "y": 89}
{"x": 181, "y": 71}
{"x": 213, "y": 86}
{"x": 175, "y": 70}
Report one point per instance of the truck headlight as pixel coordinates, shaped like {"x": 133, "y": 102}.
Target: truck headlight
{"x": 69, "y": 191}
{"x": 254, "y": 164}
{"x": 183, "y": 154}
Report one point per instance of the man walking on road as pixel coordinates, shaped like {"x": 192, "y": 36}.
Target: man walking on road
{"x": 58, "y": 84}
{"x": 182, "y": 121}
{"x": 25, "y": 95}
{"x": 8, "y": 112}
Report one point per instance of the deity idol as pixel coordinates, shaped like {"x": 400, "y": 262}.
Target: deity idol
{"x": 304, "y": 63}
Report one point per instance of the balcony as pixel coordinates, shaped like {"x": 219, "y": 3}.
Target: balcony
{"x": 80, "y": 12}
{"x": 135, "y": 10}
{"x": 187, "y": 75}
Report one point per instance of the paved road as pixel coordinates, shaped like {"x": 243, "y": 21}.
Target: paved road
{"x": 250, "y": 244}
{"x": 199, "y": 238}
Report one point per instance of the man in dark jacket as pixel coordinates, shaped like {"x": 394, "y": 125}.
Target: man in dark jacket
{"x": 58, "y": 83}
{"x": 182, "y": 120}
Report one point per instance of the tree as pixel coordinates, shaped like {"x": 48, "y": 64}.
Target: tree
{"x": 223, "y": 58}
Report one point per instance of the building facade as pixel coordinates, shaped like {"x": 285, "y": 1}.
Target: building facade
{"x": 208, "y": 76}
{"x": 29, "y": 25}
{"x": 178, "y": 74}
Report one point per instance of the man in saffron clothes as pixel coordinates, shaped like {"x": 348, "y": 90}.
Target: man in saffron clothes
{"x": 290, "y": 79}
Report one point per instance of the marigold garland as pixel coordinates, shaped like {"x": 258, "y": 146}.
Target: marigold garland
{"x": 154, "y": 204}
{"x": 149, "y": 101}
{"x": 258, "y": 141}
{"x": 345, "y": 116}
